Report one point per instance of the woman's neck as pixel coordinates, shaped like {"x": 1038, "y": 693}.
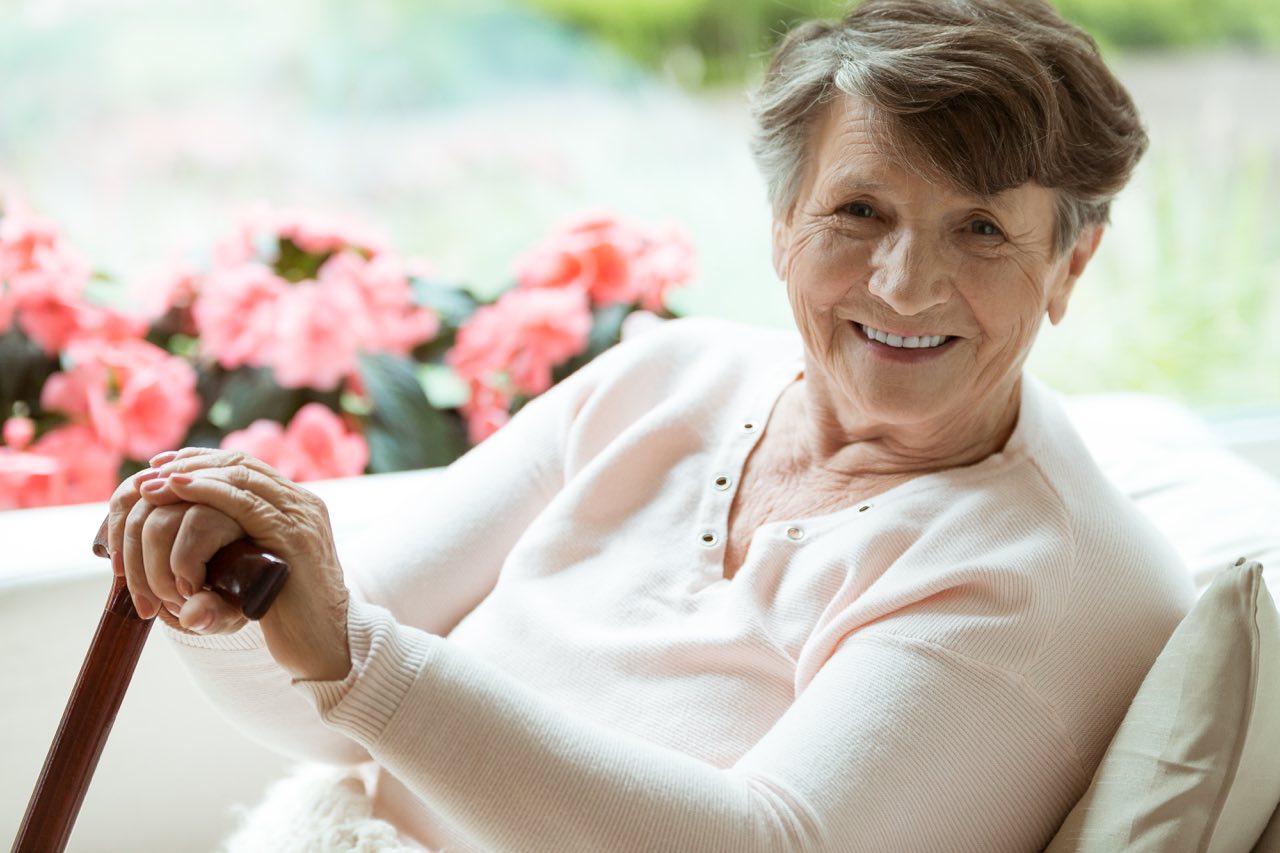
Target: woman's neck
{"x": 833, "y": 440}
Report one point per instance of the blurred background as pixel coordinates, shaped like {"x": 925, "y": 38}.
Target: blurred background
{"x": 467, "y": 130}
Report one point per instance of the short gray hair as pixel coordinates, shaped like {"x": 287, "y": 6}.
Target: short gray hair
{"x": 985, "y": 94}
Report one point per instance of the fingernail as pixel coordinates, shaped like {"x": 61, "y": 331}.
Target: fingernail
{"x": 153, "y": 485}
{"x": 180, "y": 479}
{"x": 184, "y": 588}
{"x": 143, "y": 476}
{"x": 143, "y": 605}
{"x": 202, "y": 624}
{"x": 161, "y": 458}
{"x": 174, "y": 610}
{"x": 117, "y": 564}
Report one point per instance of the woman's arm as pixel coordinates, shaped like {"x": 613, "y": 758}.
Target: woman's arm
{"x": 895, "y": 745}
{"x": 431, "y": 559}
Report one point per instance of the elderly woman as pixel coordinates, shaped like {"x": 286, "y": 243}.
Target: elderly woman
{"x": 733, "y": 590}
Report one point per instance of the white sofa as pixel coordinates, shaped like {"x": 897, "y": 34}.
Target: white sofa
{"x": 173, "y": 772}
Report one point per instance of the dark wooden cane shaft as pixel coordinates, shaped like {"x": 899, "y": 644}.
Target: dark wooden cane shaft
{"x": 86, "y": 722}
{"x": 242, "y": 573}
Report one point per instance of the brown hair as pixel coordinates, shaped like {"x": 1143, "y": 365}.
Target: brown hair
{"x": 988, "y": 94}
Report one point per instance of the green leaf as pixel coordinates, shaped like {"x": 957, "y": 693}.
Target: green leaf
{"x": 444, "y": 388}
{"x": 251, "y": 393}
{"x": 24, "y": 367}
{"x": 294, "y": 264}
{"x": 405, "y": 431}
{"x": 451, "y": 302}
{"x": 606, "y": 330}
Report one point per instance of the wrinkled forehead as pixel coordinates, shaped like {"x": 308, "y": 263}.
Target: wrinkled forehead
{"x": 853, "y": 147}
{"x": 851, "y": 140}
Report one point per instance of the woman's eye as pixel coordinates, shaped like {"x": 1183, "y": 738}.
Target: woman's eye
{"x": 860, "y": 210}
{"x": 984, "y": 228}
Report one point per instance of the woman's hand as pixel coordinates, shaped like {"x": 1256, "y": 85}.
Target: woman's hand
{"x": 168, "y": 521}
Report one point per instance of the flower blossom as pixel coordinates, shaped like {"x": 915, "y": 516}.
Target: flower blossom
{"x": 66, "y": 465}
{"x": 137, "y": 398}
{"x": 388, "y": 319}
{"x": 523, "y": 335}
{"x": 317, "y": 336}
{"x": 18, "y": 432}
{"x": 486, "y": 411}
{"x": 310, "y": 332}
{"x": 612, "y": 261}
{"x": 512, "y": 346}
{"x": 236, "y": 314}
{"x": 315, "y": 445}
{"x": 262, "y": 227}
{"x": 42, "y": 282}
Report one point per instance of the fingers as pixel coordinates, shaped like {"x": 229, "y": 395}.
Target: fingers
{"x": 201, "y": 534}
{"x": 206, "y": 613}
{"x": 122, "y": 501}
{"x": 159, "y": 530}
{"x": 195, "y": 458}
{"x": 160, "y": 542}
{"x": 257, "y": 501}
{"x": 203, "y": 613}
{"x": 132, "y": 554}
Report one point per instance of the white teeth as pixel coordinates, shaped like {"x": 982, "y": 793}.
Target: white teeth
{"x": 913, "y": 342}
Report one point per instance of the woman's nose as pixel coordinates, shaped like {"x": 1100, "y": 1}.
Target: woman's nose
{"x": 909, "y": 275}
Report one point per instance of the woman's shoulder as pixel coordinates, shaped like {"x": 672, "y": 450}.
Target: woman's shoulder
{"x": 693, "y": 351}
{"x": 1106, "y": 525}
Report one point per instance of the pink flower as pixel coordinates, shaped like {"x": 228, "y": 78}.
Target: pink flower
{"x": 50, "y": 320}
{"x": 314, "y": 446}
{"x": 594, "y": 254}
{"x": 18, "y": 432}
{"x": 36, "y": 261}
{"x": 389, "y": 321}
{"x": 258, "y": 229}
{"x": 614, "y": 262}
{"x": 23, "y": 237}
{"x": 28, "y": 479}
{"x": 321, "y": 234}
{"x": 487, "y": 410}
{"x": 523, "y": 335}
{"x": 237, "y": 314}
{"x": 173, "y": 288}
{"x": 668, "y": 261}
{"x": 54, "y": 323}
{"x": 317, "y": 336}
{"x": 67, "y": 465}
{"x": 138, "y": 399}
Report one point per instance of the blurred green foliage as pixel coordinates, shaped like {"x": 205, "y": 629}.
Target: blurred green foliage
{"x": 1188, "y": 302}
{"x": 694, "y": 41}
{"x": 719, "y": 41}
{"x": 1147, "y": 24}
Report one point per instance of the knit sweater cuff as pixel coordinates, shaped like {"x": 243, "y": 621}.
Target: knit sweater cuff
{"x": 385, "y": 661}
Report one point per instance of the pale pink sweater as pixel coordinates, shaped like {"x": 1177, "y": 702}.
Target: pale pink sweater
{"x": 547, "y": 657}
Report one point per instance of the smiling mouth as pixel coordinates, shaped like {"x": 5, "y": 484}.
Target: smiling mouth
{"x": 913, "y": 342}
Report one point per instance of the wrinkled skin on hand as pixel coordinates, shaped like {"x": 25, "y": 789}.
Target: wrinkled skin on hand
{"x": 167, "y": 521}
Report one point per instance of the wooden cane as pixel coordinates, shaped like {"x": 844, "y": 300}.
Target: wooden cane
{"x": 243, "y": 574}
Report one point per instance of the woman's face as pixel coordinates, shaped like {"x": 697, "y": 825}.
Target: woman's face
{"x": 873, "y": 246}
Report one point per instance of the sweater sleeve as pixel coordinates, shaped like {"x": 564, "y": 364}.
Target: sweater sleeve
{"x": 430, "y": 561}
{"x": 895, "y": 744}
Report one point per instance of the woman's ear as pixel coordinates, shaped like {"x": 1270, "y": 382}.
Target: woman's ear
{"x": 1081, "y": 253}
{"x": 781, "y": 245}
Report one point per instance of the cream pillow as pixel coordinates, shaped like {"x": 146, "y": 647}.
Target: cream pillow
{"x": 1196, "y": 763}
{"x": 1270, "y": 840}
